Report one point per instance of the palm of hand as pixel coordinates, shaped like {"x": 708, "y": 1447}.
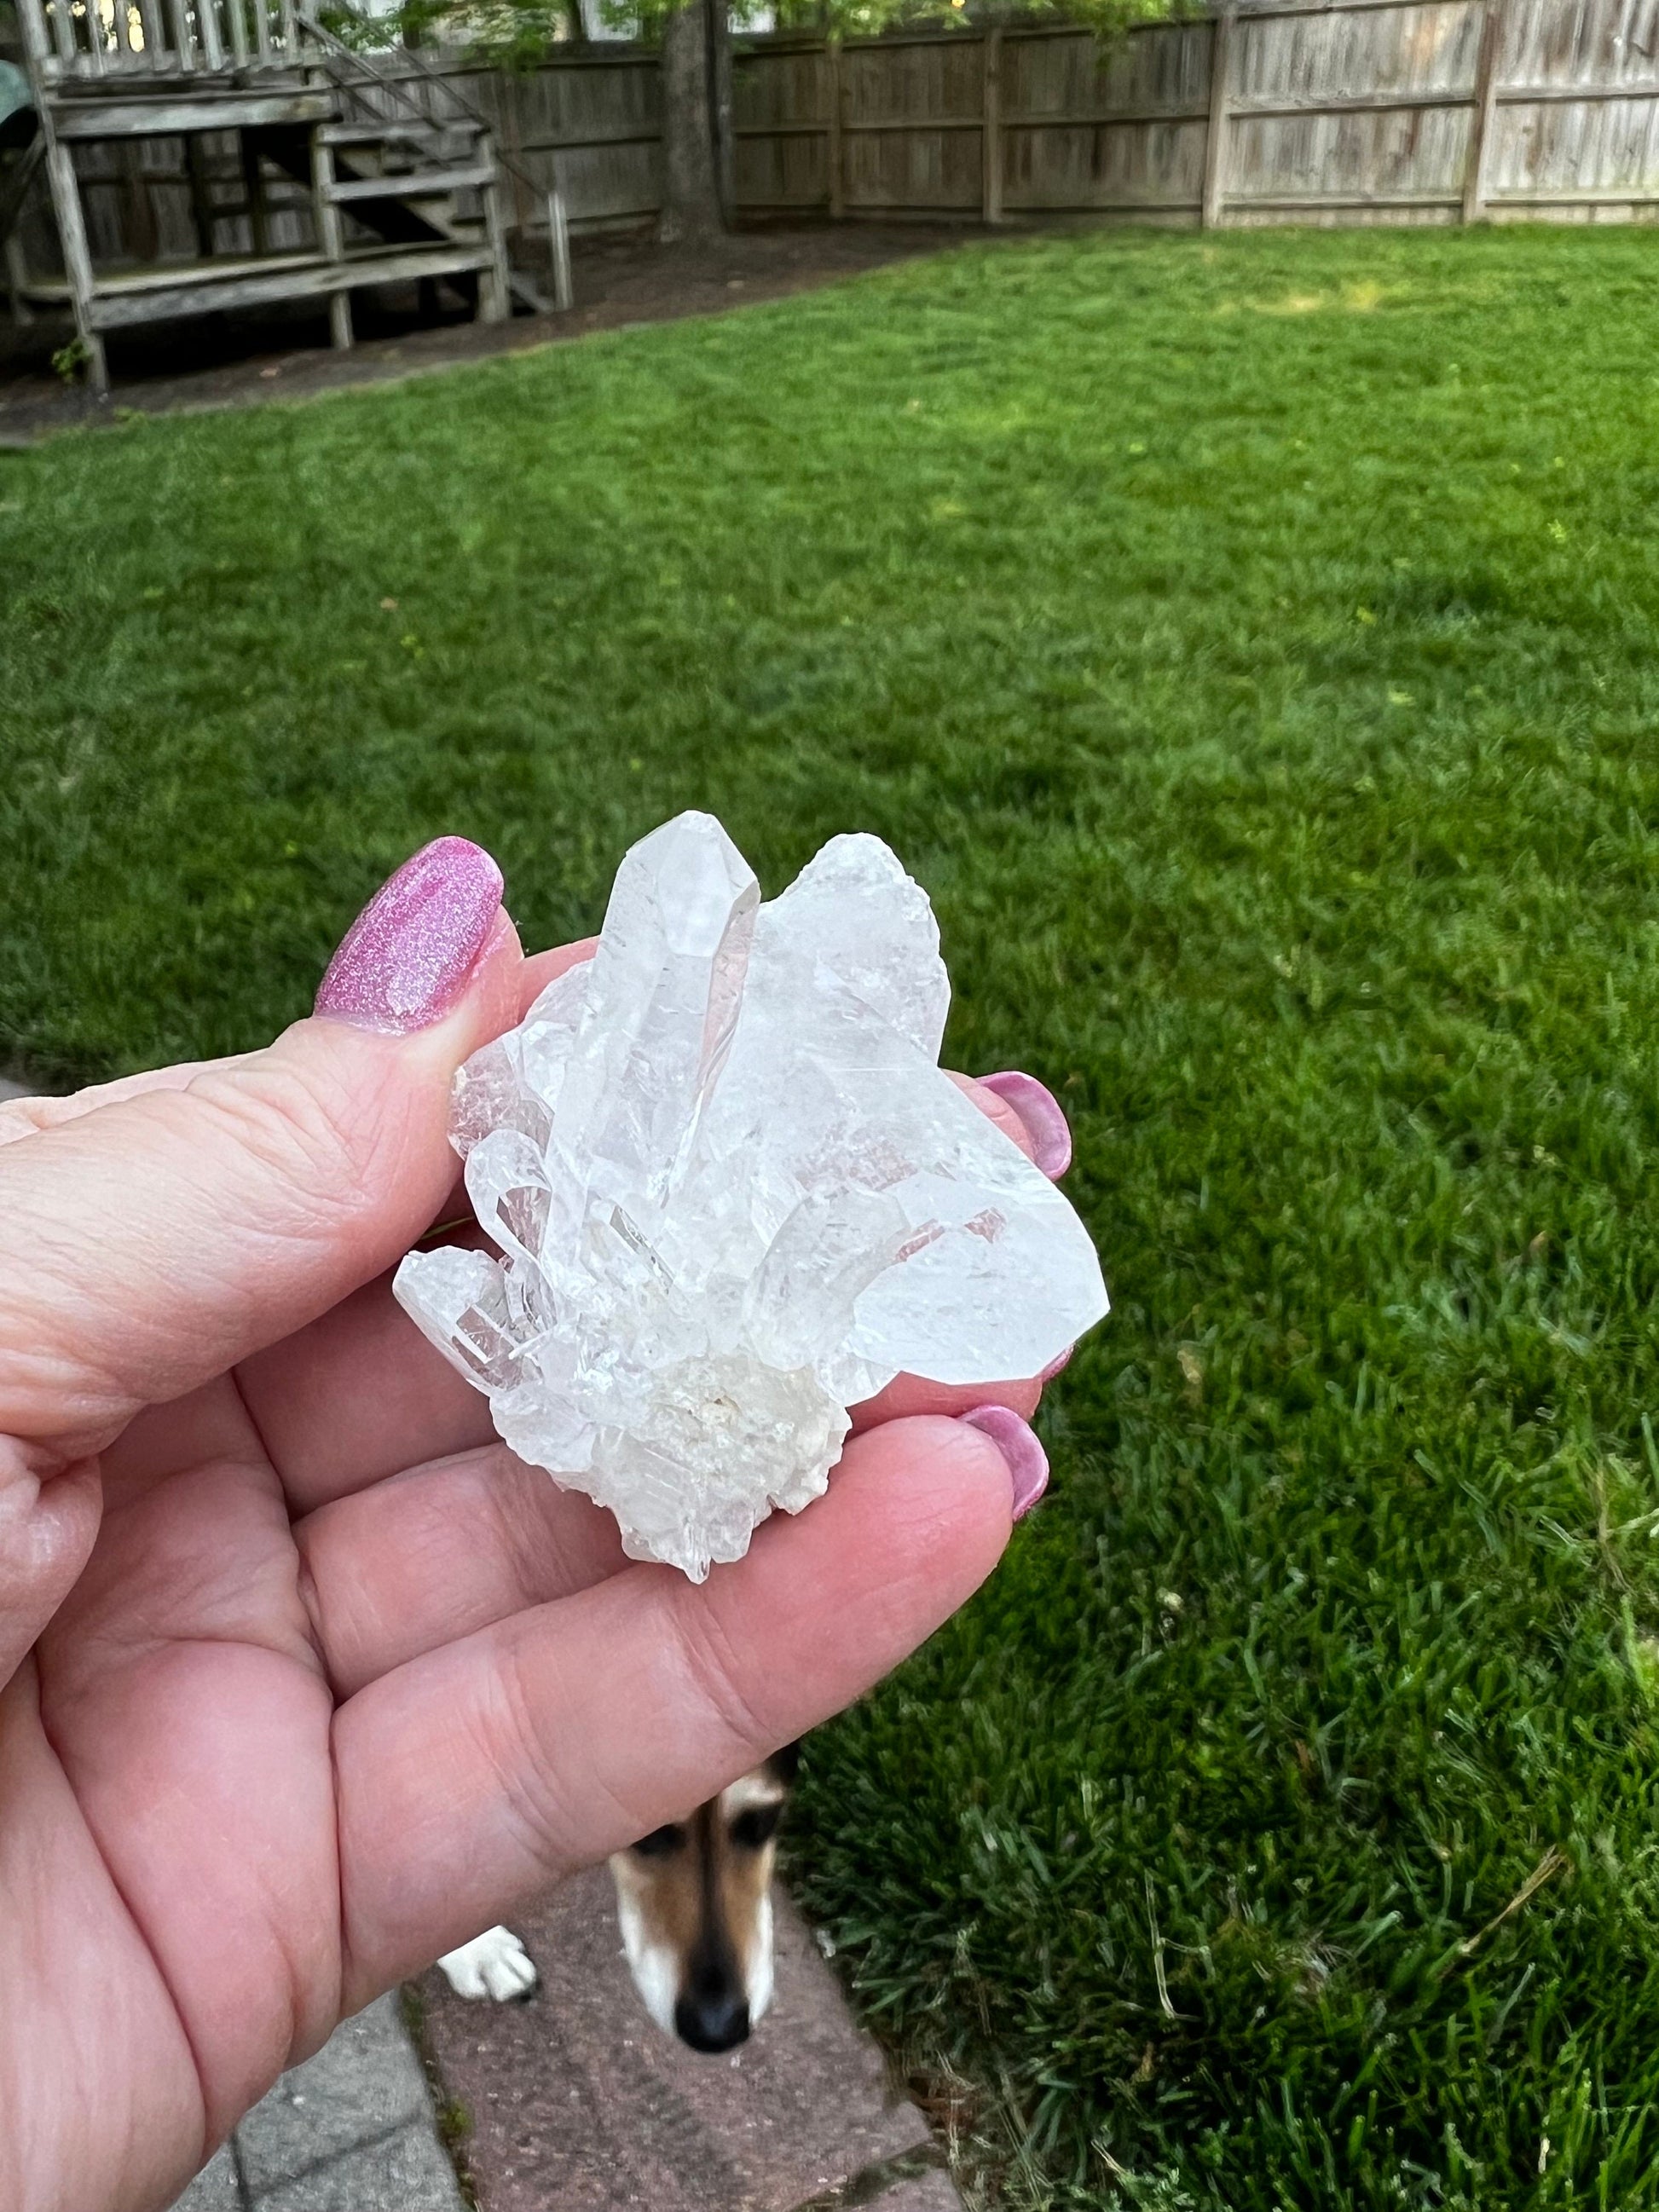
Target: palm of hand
{"x": 340, "y": 1678}
{"x": 332, "y": 1679}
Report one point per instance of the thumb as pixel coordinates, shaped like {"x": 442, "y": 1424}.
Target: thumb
{"x": 150, "y": 1244}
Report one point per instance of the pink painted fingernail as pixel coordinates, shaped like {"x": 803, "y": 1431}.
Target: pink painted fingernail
{"x": 1044, "y": 1117}
{"x": 1056, "y": 1366}
{"x": 405, "y": 960}
{"x": 1028, "y": 1463}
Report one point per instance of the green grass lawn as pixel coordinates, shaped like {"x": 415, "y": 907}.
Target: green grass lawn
{"x": 1252, "y": 644}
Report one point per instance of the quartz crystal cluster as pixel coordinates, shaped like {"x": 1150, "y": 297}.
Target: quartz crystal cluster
{"x": 733, "y": 1194}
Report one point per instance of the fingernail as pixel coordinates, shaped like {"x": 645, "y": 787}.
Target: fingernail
{"x": 405, "y": 960}
{"x": 1055, "y": 1365}
{"x": 1044, "y": 1117}
{"x": 1028, "y": 1463}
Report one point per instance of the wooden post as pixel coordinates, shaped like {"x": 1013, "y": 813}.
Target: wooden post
{"x": 991, "y": 129}
{"x": 77, "y": 255}
{"x": 183, "y": 36}
{"x": 63, "y": 32}
{"x": 1485, "y": 102}
{"x": 494, "y": 299}
{"x": 154, "y": 35}
{"x": 833, "y": 156}
{"x": 330, "y": 238}
{"x": 92, "y": 16}
{"x": 36, "y": 44}
{"x": 511, "y": 131}
{"x": 558, "y": 246}
{"x": 207, "y": 24}
{"x": 1215, "y": 142}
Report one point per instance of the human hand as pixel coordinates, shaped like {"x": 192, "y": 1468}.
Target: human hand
{"x": 305, "y": 1678}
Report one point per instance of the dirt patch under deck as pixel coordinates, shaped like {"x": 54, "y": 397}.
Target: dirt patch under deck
{"x": 224, "y": 361}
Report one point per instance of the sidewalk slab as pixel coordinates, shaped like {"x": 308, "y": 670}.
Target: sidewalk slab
{"x": 579, "y": 2104}
{"x": 216, "y": 2188}
{"x": 406, "y": 2171}
{"x": 363, "y": 2084}
{"x": 350, "y": 2130}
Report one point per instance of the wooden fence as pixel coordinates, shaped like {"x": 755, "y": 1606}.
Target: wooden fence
{"x": 1278, "y": 111}
{"x": 1367, "y": 111}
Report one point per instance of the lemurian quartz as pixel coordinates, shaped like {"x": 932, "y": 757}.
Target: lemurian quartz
{"x": 734, "y": 1193}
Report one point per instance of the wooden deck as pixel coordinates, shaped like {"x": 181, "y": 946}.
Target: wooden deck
{"x": 170, "y": 289}
{"x": 393, "y": 197}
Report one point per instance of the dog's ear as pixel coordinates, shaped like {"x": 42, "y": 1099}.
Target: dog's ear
{"x": 784, "y": 1765}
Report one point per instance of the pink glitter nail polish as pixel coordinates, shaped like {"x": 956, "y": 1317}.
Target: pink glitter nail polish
{"x": 405, "y": 960}
{"x": 1028, "y": 1463}
{"x": 1042, "y": 1113}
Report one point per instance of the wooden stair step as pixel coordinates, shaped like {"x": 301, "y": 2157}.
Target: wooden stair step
{"x": 415, "y": 184}
{"x": 181, "y": 113}
{"x": 374, "y": 134}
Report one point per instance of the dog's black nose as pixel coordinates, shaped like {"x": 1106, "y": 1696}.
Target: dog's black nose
{"x": 716, "y": 2021}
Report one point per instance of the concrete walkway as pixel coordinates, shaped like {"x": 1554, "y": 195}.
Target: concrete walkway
{"x": 351, "y": 2130}
{"x": 578, "y": 2103}
{"x": 575, "y": 2102}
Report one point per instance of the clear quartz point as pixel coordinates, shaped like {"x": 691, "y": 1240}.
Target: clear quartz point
{"x": 733, "y": 1194}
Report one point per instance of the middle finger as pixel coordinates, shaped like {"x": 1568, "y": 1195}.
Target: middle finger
{"x": 392, "y": 1571}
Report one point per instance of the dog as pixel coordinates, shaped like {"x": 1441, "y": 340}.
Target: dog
{"x": 694, "y": 1902}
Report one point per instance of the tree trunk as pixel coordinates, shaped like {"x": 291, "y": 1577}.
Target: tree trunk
{"x": 692, "y": 212}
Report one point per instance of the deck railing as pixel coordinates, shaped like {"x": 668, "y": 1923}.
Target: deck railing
{"x": 123, "y": 38}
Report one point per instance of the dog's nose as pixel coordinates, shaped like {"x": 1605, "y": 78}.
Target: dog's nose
{"x": 716, "y": 2019}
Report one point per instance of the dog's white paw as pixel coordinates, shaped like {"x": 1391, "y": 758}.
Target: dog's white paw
{"x": 494, "y": 1964}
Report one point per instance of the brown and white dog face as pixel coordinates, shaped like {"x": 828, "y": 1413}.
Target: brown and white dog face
{"x": 694, "y": 1902}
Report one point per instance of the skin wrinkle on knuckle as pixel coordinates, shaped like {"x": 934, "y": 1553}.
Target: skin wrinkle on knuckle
{"x": 705, "y": 1654}
{"x": 59, "y": 1378}
{"x": 318, "y": 1627}
{"x": 48, "y": 1393}
{"x": 514, "y": 1502}
{"x": 320, "y": 1152}
{"x": 328, "y": 1153}
{"x": 536, "y": 1785}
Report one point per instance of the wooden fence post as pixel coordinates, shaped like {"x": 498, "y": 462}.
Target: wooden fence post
{"x": 991, "y": 130}
{"x": 1485, "y": 102}
{"x": 833, "y": 156}
{"x": 1215, "y": 141}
